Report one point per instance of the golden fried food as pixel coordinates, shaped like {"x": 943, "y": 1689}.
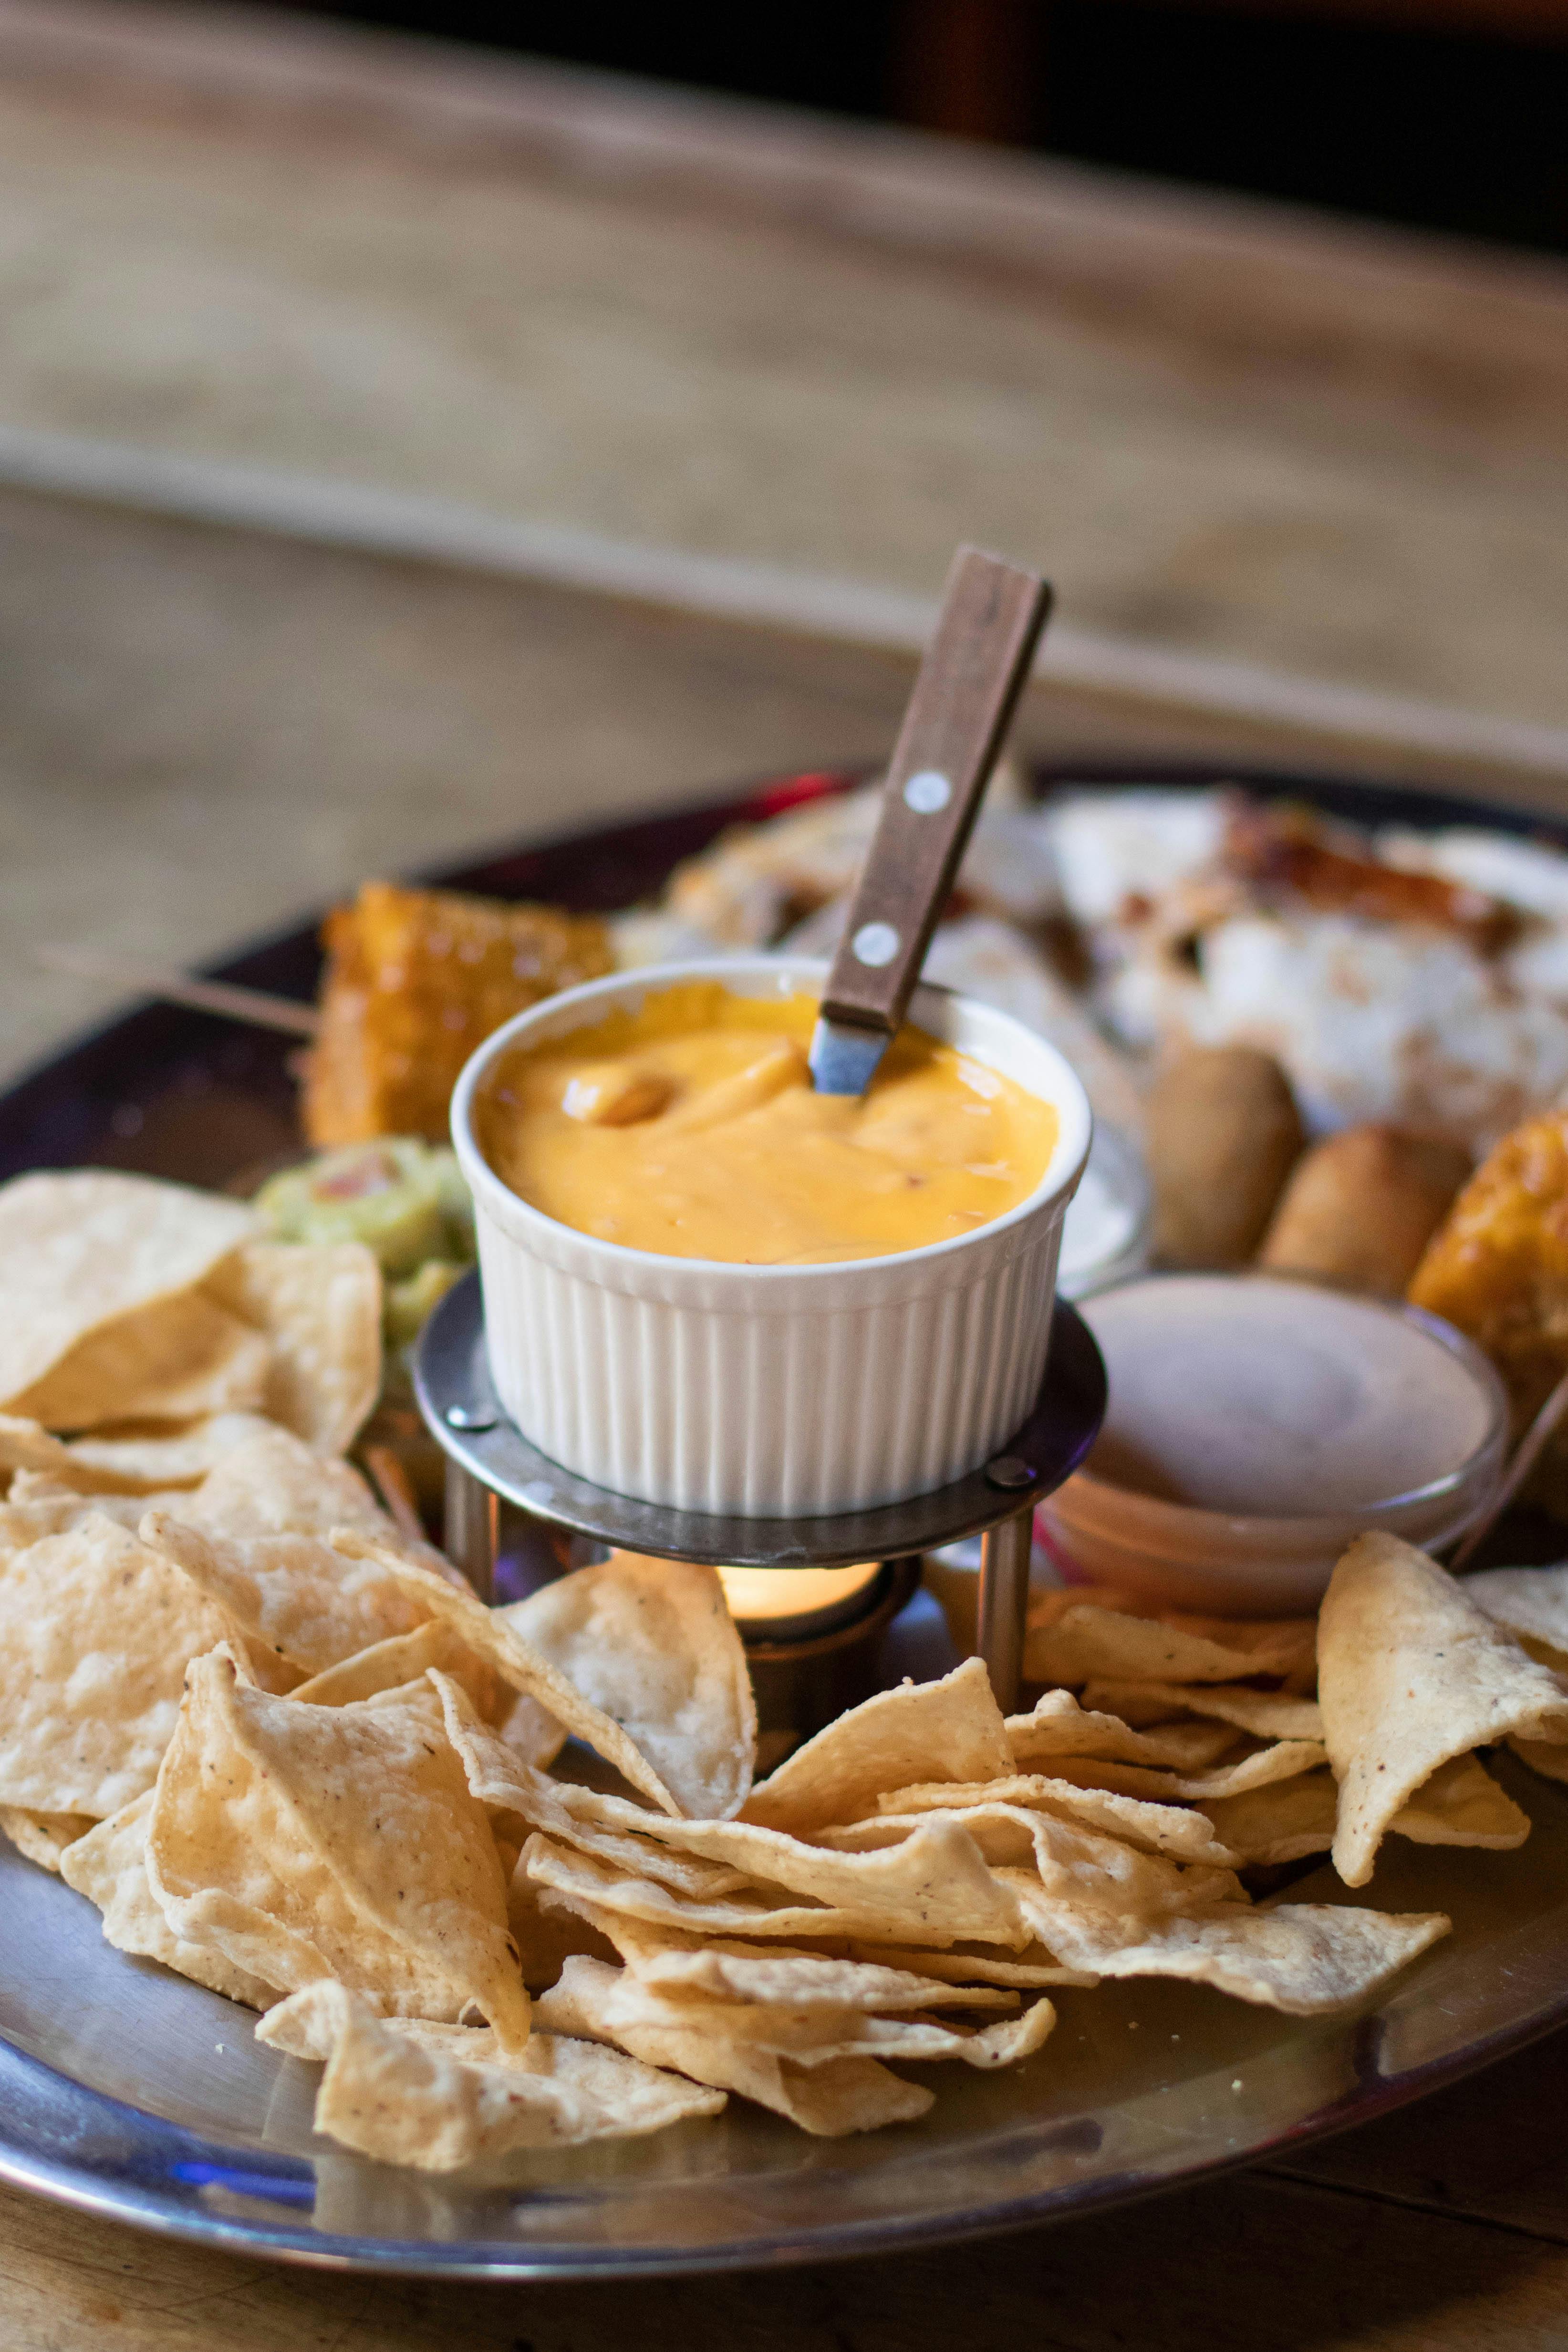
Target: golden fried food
{"x": 414, "y": 980}
{"x": 1361, "y": 1207}
{"x": 1223, "y": 1133}
{"x": 1498, "y": 1267}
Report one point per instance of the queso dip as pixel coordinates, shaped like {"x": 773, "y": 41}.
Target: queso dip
{"x": 690, "y": 1127}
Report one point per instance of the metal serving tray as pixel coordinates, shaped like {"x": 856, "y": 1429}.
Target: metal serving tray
{"x": 129, "y": 2092}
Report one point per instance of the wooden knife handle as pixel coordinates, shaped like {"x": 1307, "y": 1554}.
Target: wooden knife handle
{"x": 956, "y": 722}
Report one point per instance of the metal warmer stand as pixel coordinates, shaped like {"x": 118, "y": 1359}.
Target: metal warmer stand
{"x": 488, "y": 1461}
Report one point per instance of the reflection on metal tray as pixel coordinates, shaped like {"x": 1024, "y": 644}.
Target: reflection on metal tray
{"x": 129, "y": 2092}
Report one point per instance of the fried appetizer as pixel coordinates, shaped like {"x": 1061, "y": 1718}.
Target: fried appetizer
{"x": 1360, "y": 1206}
{"x": 1497, "y": 1268}
{"x": 414, "y": 980}
{"x": 1223, "y": 1133}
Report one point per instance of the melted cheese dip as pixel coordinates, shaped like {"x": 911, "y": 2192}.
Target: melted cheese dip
{"x": 690, "y": 1127}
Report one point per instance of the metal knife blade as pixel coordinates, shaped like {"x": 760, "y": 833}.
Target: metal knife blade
{"x": 843, "y": 1055}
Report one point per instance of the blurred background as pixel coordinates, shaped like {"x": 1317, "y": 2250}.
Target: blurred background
{"x": 422, "y": 425}
{"x": 1447, "y": 113}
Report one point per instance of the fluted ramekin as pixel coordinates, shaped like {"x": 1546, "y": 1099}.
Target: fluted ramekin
{"x": 770, "y": 1390}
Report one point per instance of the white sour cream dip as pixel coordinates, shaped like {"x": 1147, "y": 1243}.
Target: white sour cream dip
{"x": 1277, "y": 1399}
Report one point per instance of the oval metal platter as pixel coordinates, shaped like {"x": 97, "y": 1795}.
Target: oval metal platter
{"x": 129, "y": 2092}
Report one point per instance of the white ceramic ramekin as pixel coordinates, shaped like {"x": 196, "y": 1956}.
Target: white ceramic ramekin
{"x": 776, "y": 1391}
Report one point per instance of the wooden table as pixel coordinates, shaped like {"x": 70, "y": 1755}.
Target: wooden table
{"x": 208, "y": 726}
{"x": 735, "y": 360}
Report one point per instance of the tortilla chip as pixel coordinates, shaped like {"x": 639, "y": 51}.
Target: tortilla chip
{"x": 125, "y": 1458}
{"x": 743, "y": 1972}
{"x": 548, "y": 1933}
{"x": 688, "y": 1875}
{"x": 83, "y": 1248}
{"x": 530, "y": 1730}
{"x": 594, "y": 1886}
{"x": 30, "y": 1488}
{"x": 42, "y": 1837}
{"x": 1073, "y": 1638}
{"x": 937, "y": 1876}
{"x": 1411, "y": 1672}
{"x": 610, "y": 1827}
{"x": 42, "y": 1509}
{"x": 1543, "y": 1757}
{"x": 1281, "y": 1761}
{"x": 919, "y": 2041}
{"x": 1162, "y": 1828}
{"x": 1267, "y": 1714}
{"x": 294, "y": 1594}
{"x": 273, "y": 1484}
{"x": 809, "y": 2035}
{"x": 172, "y": 1361}
{"x": 1060, "y": 1725}
{"x": 1029, "y": 1970}
{"x": 1282, "y": 1822}
{"x": 1251, "y": 1634}
{"x": 1304, "y": 1959}
{"x": 1461, "y": 1804}
{"x": 408, "y": 2091}
{"x": 1532, "y": 1602}
{"x": 95, "y": 1634}
{"x": 309, "y": 1841}
{"x": 953, "y": 1730}
{"x": 141, "y": 1460}
{"x": 1152, "y": 1714}
{"x": 109, "y": 1867}
{"x": 318, "y": 1304}
{"x": 487, "y": 1632}
{"x": 1287, "y": 1819}
{"x": 833, "y": 1977}
{"x": 403, "y": 1658}
{"x": 1081, "y": 1864}
{"x": 964, "y": 1975}
{"x": 844, "y": 2095}
{"x": 652, "y": 1643}
{"x": 28, "y": 1446}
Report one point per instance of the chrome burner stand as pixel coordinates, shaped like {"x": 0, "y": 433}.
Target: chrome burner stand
{"x": 489, "y": 1460}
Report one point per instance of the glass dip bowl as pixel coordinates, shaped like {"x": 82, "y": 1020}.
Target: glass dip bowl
{"x": 1256, "y": 1424}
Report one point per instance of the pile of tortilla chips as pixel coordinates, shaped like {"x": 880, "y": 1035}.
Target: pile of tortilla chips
{"x": 142, "y": 1319}
{"x": 288, "y": 1754}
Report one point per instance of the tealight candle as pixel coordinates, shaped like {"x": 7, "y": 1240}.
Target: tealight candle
{"x": 763, "y": 1598}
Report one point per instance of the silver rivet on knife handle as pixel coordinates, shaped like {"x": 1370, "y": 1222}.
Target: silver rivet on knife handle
{"x": 876, "y": 944}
